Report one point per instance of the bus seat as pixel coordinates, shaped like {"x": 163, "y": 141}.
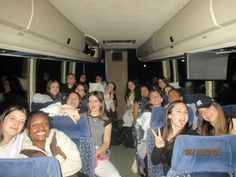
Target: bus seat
{"x": 157, "y": 120}
{"x": 190, "y": 116}
{"x": 67, "y": 125}
{"x": 30, "y": 167}
{"x": 205, "y": 156}
{"x": 193, "y": 98}
{"x": 81, "y": 135}
{"x": 143, "y": 102}
{"x": 157, "y": 117}
{"x": 230, "y": 110}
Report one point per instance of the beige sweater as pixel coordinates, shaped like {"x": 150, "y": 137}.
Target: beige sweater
{"x": 72, "y": 164}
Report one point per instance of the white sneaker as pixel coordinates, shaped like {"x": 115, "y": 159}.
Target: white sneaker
{"x": 134, "y": 167}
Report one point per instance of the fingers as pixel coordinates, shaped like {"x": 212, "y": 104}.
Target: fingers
{"x": 159, "y": 132}
{"x": 154, "y": 133}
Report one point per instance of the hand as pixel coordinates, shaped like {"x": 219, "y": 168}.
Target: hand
{"x": 56, "y": 150}
{"x": 72, "y": 113}
{"x": 111, "y": 96}
{"x": 159, "y": 142}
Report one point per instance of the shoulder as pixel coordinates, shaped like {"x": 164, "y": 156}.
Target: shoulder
{"x": 107, "y": 122}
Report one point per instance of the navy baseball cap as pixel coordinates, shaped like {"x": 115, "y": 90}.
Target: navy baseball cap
{"x": 204, "y": 102}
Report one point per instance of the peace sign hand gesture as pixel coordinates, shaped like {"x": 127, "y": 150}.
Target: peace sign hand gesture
{"x": 159, "y": 142}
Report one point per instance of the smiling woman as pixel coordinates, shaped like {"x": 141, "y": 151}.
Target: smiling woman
{"x": 44, "y": 141}
{"x": 11, "y": 125}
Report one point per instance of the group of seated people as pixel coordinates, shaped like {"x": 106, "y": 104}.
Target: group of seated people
{"x": 203, "y": 117}
{"x": 32, "y": 135}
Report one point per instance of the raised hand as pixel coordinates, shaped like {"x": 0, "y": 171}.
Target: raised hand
{"x": 111, "y": 96}
{"x": 159, "y": 142}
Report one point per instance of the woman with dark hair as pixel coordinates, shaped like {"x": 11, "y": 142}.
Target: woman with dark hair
{"x": 82, "y": 91}
{"x": 111, "y": 100}
{"x": 176, "y": 123}
{"x": 11, "y": 131}
{"x": 70, "y": 108}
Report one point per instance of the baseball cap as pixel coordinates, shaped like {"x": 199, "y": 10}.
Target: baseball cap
{"x": 204, "y": 102}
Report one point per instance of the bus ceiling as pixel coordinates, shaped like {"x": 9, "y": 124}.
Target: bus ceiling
{"x": 80, "y": 31}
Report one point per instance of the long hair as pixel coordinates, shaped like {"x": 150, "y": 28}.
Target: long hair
{"x": 167, "y": 123}
{"x": 115, "y": 98}
{"x": 58, "y": 96}
{"x": 102, "y": 110}
{"x": 7, "y": 112}
{"x": 128, "y": 91}
{"x": 223, "y": 125}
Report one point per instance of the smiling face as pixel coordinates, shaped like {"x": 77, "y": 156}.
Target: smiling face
{"x": 73, "y": 100}
{"x": 209, "y": 114}
{"x": 179, "y": 116}
{"x": 70, "y": 79}
{"x": 13, "y": 123}
{"x": 144, "y": 91}
{"x": 80, "y": 90}
{"x": 54, "y": 88}
{"x": 131, "y": 85}
{"x": 94, "y": 105}
{"x": 38, "y": 129}
{"x": 109, "y": 88}
{"x": 155, "y": 98}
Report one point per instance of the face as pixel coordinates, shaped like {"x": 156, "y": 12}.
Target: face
{"x": 73, "y": 100}
{"x": 109, "y": 88}
{"x": 155, "y": 99}
{"x": 13, "y": 123}
{"x": 98, "y": 79}
{"x": 209, "y": 114}
{"x": 161, "y": 83}
{"x": 179, "y": 115}
{"x": 131, "y": 85}
{"x": 167, "y": 89}
{"x": 173, "y": 96}
{"x": 6, "y": 85}
{"x": 144, "y": 91}
{"x": 80, "y": 90}
{"x": 38, "y": 129}
{"x": 70, "y": 79}
{"x": 54, "y": 88}
{"x": 94, "y": 104}
{"x": 82, "y": 78}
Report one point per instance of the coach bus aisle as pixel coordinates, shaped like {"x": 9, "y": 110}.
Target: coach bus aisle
{"x": 122, "y": 158}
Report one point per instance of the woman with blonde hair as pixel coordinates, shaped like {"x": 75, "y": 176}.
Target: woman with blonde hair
{"x": 101, "y": 132}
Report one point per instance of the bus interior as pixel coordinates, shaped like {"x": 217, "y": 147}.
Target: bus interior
{"x": 192, "y": 43}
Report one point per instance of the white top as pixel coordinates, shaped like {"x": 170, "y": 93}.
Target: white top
{"x": 12, "y": 149}
{"x": 144, "y": 122}
{"x": 54, "y": 109}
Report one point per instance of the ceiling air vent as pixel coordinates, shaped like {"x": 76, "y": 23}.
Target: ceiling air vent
{"x": 108, "y": 42}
